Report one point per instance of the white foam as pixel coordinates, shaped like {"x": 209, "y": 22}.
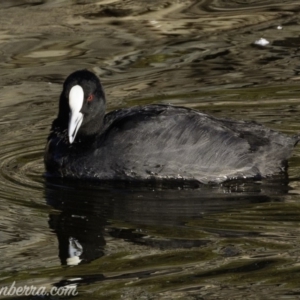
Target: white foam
{"x": 262, "y": 42}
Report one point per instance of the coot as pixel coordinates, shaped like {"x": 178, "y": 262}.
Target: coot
{"x": 155, "y": 142}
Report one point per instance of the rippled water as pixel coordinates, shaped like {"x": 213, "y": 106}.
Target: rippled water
{"x": 239, "y": 240}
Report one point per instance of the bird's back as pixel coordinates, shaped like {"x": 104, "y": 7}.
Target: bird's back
{"x": 158, "y": 141}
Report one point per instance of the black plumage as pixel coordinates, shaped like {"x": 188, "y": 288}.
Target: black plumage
{"x": 158, "y": 142}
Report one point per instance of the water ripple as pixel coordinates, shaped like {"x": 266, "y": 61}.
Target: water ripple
{"x": 21, "y": 165}
{"x": 239, "y": 239}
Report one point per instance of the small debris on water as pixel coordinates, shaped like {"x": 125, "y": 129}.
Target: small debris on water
{"x": 262, "y": 42}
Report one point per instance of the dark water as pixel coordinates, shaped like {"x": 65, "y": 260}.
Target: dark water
{"x": 239, "y": 240}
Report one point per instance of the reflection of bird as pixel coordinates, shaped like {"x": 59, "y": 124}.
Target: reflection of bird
{"x": 80, "y": 237}
{"x": 75, "y": 250}
{"x": 155, "y": 141}
{"x": 90, "y": 219}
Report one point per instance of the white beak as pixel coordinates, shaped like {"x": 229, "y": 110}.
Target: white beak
{"x": 76, "y": 98}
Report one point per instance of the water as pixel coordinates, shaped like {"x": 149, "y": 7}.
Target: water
{"x": 239, "y": 240}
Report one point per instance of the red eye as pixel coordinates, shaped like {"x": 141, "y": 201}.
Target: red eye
{"x": 90, "y": 98}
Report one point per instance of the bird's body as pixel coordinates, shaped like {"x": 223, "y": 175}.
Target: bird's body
{"x": 162, "y": 142}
